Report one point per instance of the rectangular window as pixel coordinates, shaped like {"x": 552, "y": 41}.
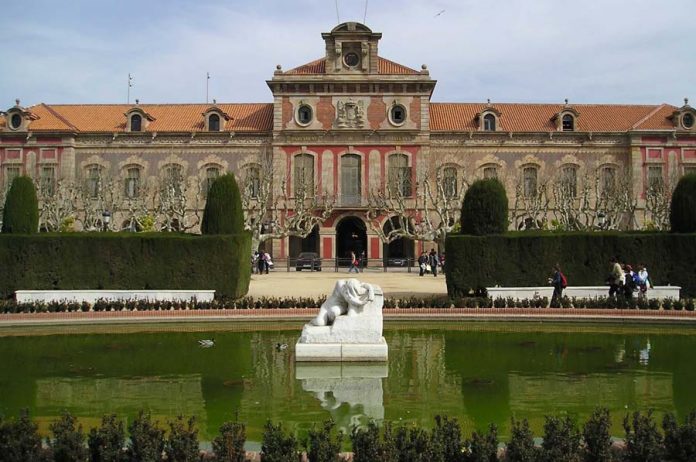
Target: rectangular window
{"x": 10, "y": 174}
{"x": 570, "y": 181}
{"x": 48, "y": 181}
{"x": 211, "y": 174}
{"x": 449, "y": 182}
{"x": 530, "y": 181}
{"x": 304, "y": 176}
{"x": 132, "y": 185}
{"x": 655, "y": 179}
{"x": 253, "y": 182}
{"x": 93, "y": 181}
{"x": 399, "y": 175}
{"x": 490, "y": 172}
{"x": 689, "y": 169}
{"x": 607, "y": 180}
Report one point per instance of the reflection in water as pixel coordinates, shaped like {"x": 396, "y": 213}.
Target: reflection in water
{"x": 351, "y": 393}
{"x": 478, "y": 373}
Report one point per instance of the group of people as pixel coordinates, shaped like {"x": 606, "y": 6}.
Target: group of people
{"x": 428, "y": 262}
{"x": 623, "y": 280}
{"x": 261, "y": 262}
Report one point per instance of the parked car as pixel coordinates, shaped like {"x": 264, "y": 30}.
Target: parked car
{"x": 308, "y": 260}
{"x": 397, "y": 261}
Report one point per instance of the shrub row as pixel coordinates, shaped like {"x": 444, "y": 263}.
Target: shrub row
{"x": 563, "y": 441}
{"x": 250, "y": 303}
{"x": 524, "y": 259}
{"x": 127, "y": 261}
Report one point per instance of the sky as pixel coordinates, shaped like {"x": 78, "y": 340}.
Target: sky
{"x": 590, "y": 51}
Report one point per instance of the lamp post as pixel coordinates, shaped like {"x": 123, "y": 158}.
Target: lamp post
{"x": 601, "y": 218}
{"x": 106, "y": 218}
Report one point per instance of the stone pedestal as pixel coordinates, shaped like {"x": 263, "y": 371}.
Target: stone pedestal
{"x": 353, "y": 336}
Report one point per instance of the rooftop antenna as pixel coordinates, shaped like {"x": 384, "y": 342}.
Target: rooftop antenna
{"x": 365, "y": 14}
{"x": 207, "y": 81}
{"x": 130, "y": 84}
{"x": 338, "y": 18}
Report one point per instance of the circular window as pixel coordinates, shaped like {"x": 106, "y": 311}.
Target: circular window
{"x": 688, "y": 120}
{"x": 351, "y": 59}
{"x": 397, "y": 114}
{"x": 304, "y": 115}
{"x": 15, "y": 121}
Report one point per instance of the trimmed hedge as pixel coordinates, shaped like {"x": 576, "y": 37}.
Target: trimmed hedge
{"x": 526, "y": 259}
{"x": 125, "y": 261}
{"x": 21, "y": 213}
{"x": 485, "y": 208}
{"x": 223, "y": 212}
{"x": 682, "y": 213}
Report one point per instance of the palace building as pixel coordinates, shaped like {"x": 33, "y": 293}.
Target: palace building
{"x": 350, "y": 123}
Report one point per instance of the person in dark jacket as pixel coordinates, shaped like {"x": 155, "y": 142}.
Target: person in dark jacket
{"x": 433, "y": 260}
{"x": 557, "y": 283}
{"x": 422, "y": 261}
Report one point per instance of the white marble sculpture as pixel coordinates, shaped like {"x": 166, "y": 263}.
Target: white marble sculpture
{"x": 348, "y": 326}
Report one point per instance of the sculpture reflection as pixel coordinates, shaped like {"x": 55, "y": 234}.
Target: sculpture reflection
{"x": 351, "y": 393}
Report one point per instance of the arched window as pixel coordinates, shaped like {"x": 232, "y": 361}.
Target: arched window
{"x": 212, "y": 172}
{"x": 489, "y": 123}
{"x": 607, "y": 180}
{"x": 136, "y": 123}
{"x": 304, "y": 114}
{"x": 132, "y": 182}
{"x": 214, "y": 123}
{"x": 449, "y": 182}
{"x": 252, "y": 181}
{"x": 568, "y": 123}
{"x": 490, "y": 171}
{"x": 399, "y": 175}
{"x": 48, "y": 180}
{"x": 174, "y": 179}
{"x": 655, "y": 177}
{"x": 351, "y": 185}
{"x": 93, "y": 180}
{"x": 304, "y": 175}
{"x": 529, "y": 176}
{"x": 15, "y": 121}
{"x": 569, "y": 180}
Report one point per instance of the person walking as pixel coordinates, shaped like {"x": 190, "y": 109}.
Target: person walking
{"x": 433, "y": 260}
{"x": 422, "y": 261}
{"x": 353, "y": 262}
{"x": 616, "y": 276}
{"x": 629, "y": 282}
{"x": 559, "y": 282}
{"x": 261, "y": 262}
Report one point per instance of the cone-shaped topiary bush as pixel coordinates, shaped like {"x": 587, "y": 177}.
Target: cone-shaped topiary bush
{"x": 21, "y": 214}
{"x": 223, "y": 212}
{"x": 682, "y": 213}
{"x": 485, "y": 208}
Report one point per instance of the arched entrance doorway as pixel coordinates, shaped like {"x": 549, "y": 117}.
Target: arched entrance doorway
{"x": 397, "y": 252}
{"x": 304, "y": 244}
{"x": 351, "y": 235}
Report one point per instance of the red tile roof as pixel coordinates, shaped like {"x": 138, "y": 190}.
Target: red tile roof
{"x": 384, "y": 66}
{"x": 539, "y": 117}
{"x": 253, "y": 117}
{"x": 258, "y": 117}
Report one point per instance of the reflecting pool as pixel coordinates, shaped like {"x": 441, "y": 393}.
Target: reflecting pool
{"x": 478, "y": 372}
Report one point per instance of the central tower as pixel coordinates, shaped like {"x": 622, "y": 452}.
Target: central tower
{"x": 351, "y": 48}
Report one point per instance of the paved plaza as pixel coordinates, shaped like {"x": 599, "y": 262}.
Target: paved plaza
{"x": 395, "y": 283}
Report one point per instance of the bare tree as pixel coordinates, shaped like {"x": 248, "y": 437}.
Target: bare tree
{"x": 177, "y": 203}
{"x": 58, "y": 202}
{"x": 96, "y": 196}
{"x": 271, "y": 213}
{"x": 532, "y": 203}
{"x": 427, "y": 212}
{"x": 658, "y": 200}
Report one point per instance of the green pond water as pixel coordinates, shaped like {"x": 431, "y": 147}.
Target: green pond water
{"x": 478, "y": 372}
